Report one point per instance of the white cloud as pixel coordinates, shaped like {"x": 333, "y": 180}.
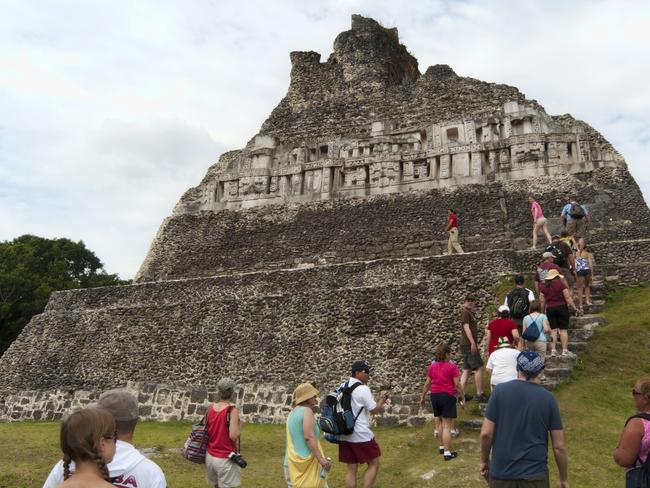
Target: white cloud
{"x": 111, "y": 111}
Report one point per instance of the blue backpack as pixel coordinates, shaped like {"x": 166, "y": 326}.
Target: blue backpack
{"x": 336, "y": 416}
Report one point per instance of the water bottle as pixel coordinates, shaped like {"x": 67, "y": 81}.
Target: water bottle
{"x": 324, "y": 472}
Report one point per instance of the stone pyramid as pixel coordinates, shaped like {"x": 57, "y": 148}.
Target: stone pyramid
{"x": 319, "y": 243}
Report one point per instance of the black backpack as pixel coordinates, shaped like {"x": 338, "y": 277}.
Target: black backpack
{"x": 577, "y": 211}
{"x": 639, "y": 477}
{"x": 518, "y": 303}
{"x": 336, "y": 416}
{"x": 558, "y": 255}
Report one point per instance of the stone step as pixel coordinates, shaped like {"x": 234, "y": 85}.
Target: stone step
{"x": 586, "y": 321}
{"x": 557, "y": 373}
{"x": 559, "y": 361}
{"x": 580, "y": 335}
{"x": 577, "y": 347}
{"x": 472, "y": 424}
{"x": 594, "y": 307}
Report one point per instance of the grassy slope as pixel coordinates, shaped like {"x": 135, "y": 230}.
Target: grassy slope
{"x": 594, "y": 405}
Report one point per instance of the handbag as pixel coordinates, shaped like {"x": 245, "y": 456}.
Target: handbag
{"x": 196, "y": 445}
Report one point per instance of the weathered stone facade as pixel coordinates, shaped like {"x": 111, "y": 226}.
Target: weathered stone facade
{"x": 319, "y": 243}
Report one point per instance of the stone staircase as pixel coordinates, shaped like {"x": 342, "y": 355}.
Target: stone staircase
{"x": 559, "y": 368}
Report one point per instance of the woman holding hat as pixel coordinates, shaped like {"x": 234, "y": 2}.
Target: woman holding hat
{"x": 556, "y": 297}
{"x": 304, "y": 458}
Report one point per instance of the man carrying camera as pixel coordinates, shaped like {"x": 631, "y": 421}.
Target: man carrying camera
{"x": 360, "y": 447}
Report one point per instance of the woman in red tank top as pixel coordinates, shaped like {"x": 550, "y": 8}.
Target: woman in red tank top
{"x": 224, "y": 428}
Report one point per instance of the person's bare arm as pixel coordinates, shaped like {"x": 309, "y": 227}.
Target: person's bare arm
{"x": 487, "y": 433}
{"x": 627, "y": 451}
{"x": 488, "y": 338}
{"x": 470, "y": 337}
{"x": 427, "y": 386}
{"x": 235, "y": 425}
{"x": 568, "y": 298}
{"x": 380, "y": 404}
{"x": 561, "y": 458}
{"x": 312, "y": 443}
{"x": 547, "y": 326}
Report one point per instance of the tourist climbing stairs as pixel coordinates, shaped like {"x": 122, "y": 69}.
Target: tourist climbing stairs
{"x": 558, "y": 368}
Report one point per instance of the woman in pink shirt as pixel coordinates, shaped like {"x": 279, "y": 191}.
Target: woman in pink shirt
{"x": 442, "y": 379}
{"x": 634, "y": 445}
{"x": 539, "y": 221}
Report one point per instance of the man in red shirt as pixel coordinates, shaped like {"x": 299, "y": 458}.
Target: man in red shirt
{"x": 452, "y": 230}
{"x": 501, "y": 327}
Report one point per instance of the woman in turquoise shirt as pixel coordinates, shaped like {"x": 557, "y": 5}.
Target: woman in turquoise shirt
{"x": 304, "y": 459}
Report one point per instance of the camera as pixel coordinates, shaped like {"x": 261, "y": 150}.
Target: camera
{"x": 236, "y": 458}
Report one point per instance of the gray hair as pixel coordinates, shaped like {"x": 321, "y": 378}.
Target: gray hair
{"x": 225, "y": 388}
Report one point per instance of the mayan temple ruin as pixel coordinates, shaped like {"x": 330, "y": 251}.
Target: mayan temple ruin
{"x": 320, "y": 243}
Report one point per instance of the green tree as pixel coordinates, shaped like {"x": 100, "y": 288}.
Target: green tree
{"x": 32, "y": 267}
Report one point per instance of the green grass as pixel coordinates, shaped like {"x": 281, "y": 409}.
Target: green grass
{"x": 595, "y": 403}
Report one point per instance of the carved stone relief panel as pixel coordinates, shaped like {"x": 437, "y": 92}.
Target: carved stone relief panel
{"x": 445, "y": 163}
{"x": 313, "y": 180}
{"x": 407, "y": 174}
{"x": 231, "y": 188}
{"x": 420, "y": 169}
{"x": 475, "y": 163}
{"x": 296, "y": 184}
{"x": 460, "y": 164}
{"x": 470, "y": 131}
{"x": 504, "y": 159}
{"x": 385, "y": 173}
{"x": 274, "y": 186}
{"x": 492, "y": 160}
{"x": 526, "y": 154}
{"x": 356, "y": 176}
{"x": 436, "y": 136}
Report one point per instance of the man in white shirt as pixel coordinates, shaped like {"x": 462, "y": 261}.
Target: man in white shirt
{"x": 129, "y": 468}
{"x": 502, "y": 363}
{"x": 360, "y": 447}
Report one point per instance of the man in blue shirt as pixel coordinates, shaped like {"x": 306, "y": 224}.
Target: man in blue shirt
{"x": 575, "y": 218}
{"x": 518, "y": 419}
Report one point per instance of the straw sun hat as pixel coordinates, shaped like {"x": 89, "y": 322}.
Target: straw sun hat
{"x": 304, "y": 392}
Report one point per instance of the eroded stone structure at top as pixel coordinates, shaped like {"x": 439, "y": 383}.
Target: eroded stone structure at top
{"x": 366, "y": 122}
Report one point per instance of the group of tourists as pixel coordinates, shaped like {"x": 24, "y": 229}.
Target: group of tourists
{"x": 97, "y": 441}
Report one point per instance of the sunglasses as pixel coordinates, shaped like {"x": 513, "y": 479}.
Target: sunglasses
{"x": 635, "y": 393}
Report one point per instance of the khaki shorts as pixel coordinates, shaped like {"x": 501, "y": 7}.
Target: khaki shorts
{"x": 222, "y": 472}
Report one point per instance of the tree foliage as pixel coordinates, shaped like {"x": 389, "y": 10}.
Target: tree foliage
{"x": 32, "y": 267}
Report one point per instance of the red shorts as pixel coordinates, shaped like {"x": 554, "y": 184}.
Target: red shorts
{"x": 358, "y": 452}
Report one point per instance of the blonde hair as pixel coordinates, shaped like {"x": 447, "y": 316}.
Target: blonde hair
{"x": 81, "y": 432}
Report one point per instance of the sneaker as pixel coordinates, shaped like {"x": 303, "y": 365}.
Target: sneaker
{"x": 568, "y": 354}
{"x": 482, "y": 398}
{"x": 452, "y": 455}
{"x": 553, "y": 353}
{"x": 454, "y": 433}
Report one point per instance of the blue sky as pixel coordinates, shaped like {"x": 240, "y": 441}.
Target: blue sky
{"x": 111, "y": 110}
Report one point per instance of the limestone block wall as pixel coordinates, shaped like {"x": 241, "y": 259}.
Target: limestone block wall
{"x": 396, "y": 225}
{"x": 195, "y": 331}
{"x": 257, "y": 403}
